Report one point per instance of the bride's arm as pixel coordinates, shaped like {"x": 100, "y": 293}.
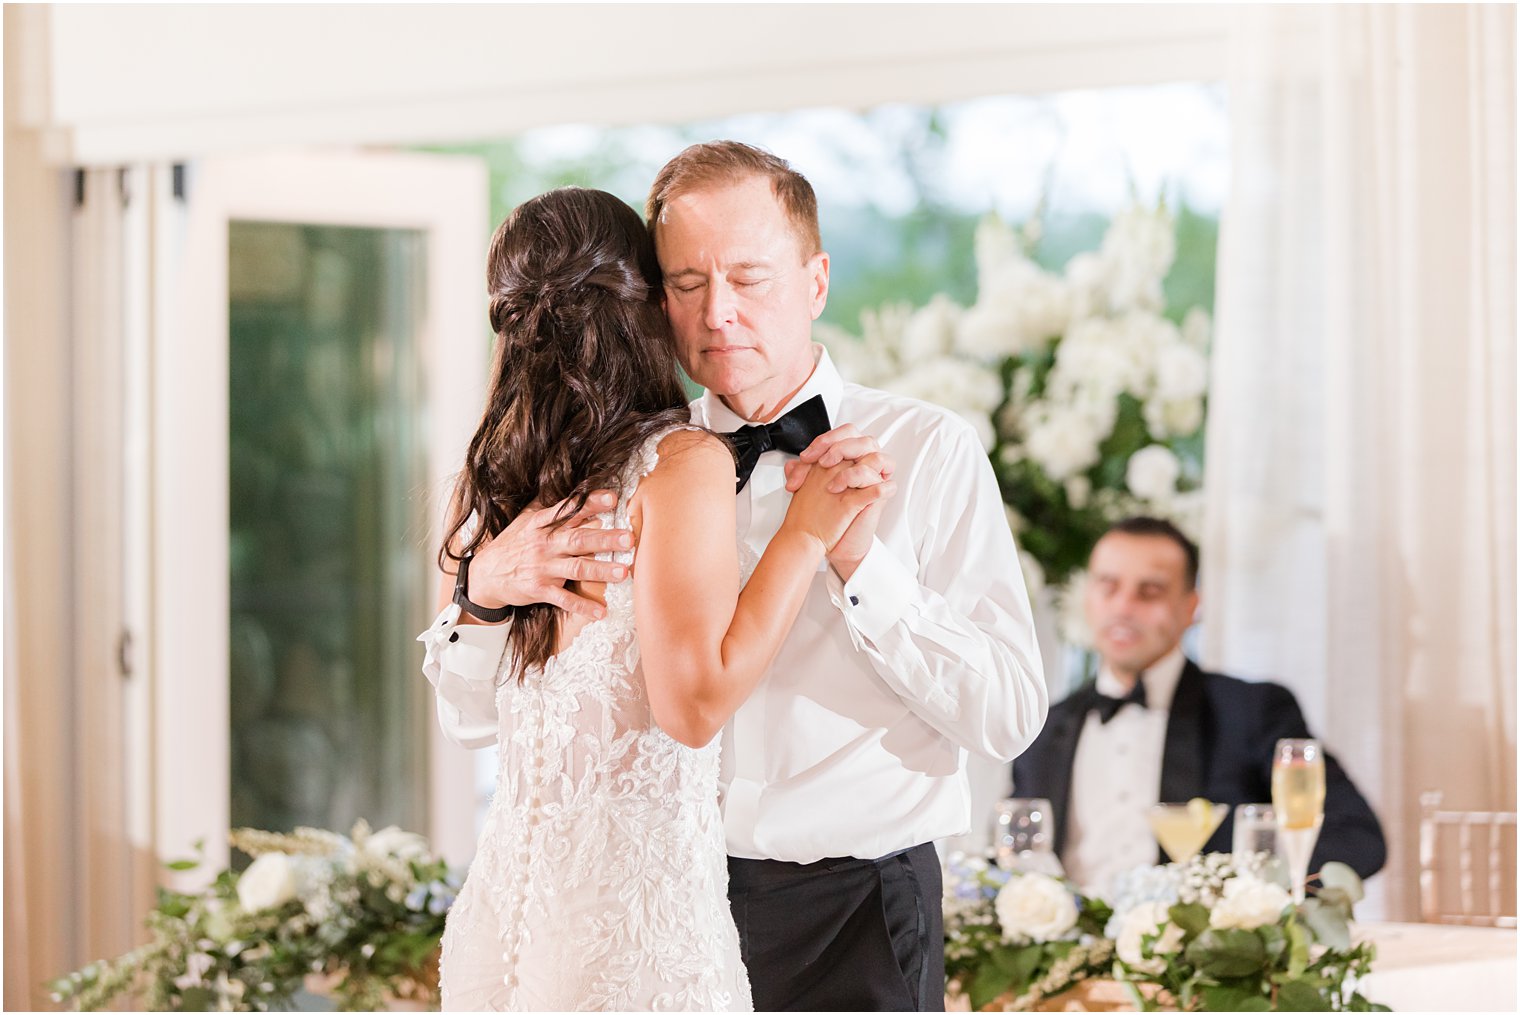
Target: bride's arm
{"x": 703, "y": 642}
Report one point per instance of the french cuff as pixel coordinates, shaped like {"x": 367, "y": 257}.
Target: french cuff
{"x": 462, "y": 657}
{"x": 877, "y": 594}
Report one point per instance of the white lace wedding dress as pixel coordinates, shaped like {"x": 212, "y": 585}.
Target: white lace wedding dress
{"x": 600, "y": 881}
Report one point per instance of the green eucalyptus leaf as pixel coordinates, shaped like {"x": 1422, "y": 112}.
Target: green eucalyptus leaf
{"x": 182, "y": 865}
{"x": 1328, "y": 924}
{"x": 1227, "y": 953}
{"x": 989, "y": 982}
{"x": 1296, "y": 995}
{"x": 1336, "y": 875}
{"x": 1298, "y": 948}
{"x": 1233, "y": 998}
{"x": 1191, "y": 917}
{"x": 1018, "y": 963}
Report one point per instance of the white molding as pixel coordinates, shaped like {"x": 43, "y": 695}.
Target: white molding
{"x": 148, "y": 82}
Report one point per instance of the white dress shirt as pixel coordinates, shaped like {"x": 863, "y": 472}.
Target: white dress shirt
{"x": 1116, "y": 778}
{"x": 855, "y": 742}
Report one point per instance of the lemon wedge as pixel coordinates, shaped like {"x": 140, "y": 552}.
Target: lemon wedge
{"x": 1201, "y": 811}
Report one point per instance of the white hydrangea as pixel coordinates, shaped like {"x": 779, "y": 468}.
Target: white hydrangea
{"x": 970, "y": 389}
{"x": 1019, "y": 305}
{"x": 1063, "y": 439}
{"x": 1035, "y": 907}
{"x": 856, "y": 361}
{"x": 929, "y": 332}
{"x": 1152, "y": 473}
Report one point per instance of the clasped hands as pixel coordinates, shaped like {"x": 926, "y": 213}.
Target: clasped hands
{"x": 531, "y": 561}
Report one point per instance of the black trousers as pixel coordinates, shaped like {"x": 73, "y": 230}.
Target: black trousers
{"x": 842, "y": 935}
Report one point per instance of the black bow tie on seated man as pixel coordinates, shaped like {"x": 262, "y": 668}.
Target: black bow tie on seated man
{"x": 791, "y": 433}
{"x": 1107, "y": 707}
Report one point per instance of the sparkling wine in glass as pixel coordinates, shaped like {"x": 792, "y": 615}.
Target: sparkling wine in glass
{"x": 1298, "y": 800}
{"x": 1184, "y": 829}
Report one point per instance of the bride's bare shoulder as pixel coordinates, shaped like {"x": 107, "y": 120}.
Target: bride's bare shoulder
{"x": 693, "y": 456}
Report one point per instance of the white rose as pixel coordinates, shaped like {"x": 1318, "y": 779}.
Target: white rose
{"x": 1247, "y": 903}
{"x": 269, "y": 881}
{"x": 1035, "y": 907}
{"x": 1152, "y": 473}
{"x": 1147, "y": 919}
{"x": 1181, "y": 372}
{"x": 392, "y": 841}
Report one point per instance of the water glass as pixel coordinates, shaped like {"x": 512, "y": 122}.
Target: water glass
{"x": 1255, "y": 830}
{"x": 1021, "y": 834}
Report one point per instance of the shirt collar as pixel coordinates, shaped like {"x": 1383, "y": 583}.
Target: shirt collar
{"x": 1160, "y": 680}
{"x": 824, "y": 380}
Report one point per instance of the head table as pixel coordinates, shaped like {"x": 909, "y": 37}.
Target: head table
{"x": 1437, "y": 967}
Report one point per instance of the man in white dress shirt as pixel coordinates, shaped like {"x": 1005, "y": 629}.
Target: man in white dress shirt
{"x": 1154, "y": 728}
{"x": 915, "y": 644}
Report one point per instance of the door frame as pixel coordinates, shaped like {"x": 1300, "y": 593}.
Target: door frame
{"x": 445, "y": 198}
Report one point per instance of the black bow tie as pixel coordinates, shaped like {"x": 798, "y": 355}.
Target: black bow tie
{"x": 791, "y": 433}
{"x": 1107, "y": 707}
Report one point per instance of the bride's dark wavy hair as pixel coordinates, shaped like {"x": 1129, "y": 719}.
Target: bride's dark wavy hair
{"x": 584, "y": 372}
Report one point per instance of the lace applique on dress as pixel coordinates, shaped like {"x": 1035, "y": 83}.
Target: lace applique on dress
{"x": 601, "y": 879}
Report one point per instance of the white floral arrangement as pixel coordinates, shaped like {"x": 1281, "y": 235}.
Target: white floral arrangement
{"x": 1089, "y": 399}
{"x": 365, "y": 911}
{"x": 1217, "y": 933}
{"x": 1015, "y": 939}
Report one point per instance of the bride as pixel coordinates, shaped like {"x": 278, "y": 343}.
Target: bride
{"x": 600, "y": 877}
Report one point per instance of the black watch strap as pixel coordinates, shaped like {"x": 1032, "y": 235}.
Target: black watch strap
{"x": 475, "y": 610}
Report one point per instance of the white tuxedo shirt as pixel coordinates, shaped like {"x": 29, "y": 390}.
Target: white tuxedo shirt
{"x": 854, "y": 744}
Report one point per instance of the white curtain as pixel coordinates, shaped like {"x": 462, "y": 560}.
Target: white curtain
{"x": 1360, "y": 542}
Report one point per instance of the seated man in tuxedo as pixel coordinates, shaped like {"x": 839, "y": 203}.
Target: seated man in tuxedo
{"x": 1154, "y": 727}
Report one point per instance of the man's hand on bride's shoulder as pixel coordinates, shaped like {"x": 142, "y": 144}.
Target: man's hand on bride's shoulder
{"x": 531, "y": 560}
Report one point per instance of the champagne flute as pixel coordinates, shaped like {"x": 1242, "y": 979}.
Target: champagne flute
{"x": 1298, "y": 799}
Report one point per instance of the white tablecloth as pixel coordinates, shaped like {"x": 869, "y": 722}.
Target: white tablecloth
{"x": 1434, "y": 967}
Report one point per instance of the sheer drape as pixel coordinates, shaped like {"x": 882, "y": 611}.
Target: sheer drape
{"x": 1360, "y": 543}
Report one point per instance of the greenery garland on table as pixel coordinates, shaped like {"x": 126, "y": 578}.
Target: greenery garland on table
{"x": 366, "y": 910}
{"x": 1214, "y": 934}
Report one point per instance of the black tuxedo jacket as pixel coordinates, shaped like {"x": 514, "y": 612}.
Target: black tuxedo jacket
{"x": 1219, "y": 743}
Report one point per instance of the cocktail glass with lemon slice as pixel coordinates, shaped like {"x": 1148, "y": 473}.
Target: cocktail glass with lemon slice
{"x": 1184, "y": 829}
